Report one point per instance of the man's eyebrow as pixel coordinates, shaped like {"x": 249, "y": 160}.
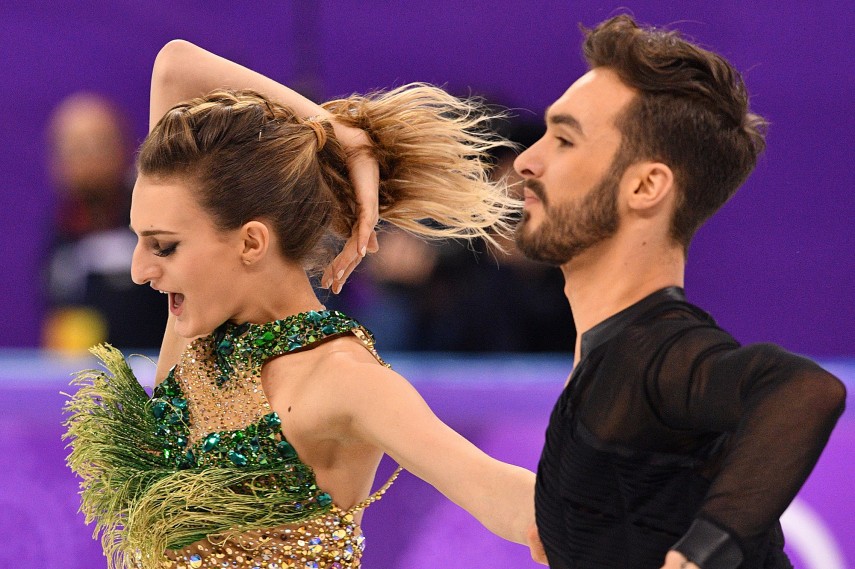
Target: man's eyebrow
{"x": 565, "y": 119}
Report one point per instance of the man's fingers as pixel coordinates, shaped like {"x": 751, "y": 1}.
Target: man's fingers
{"x": 676, "y": 560}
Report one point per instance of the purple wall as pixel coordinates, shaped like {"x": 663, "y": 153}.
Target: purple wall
{"x": 776, "y": 264}
{"x": 502, "y": 405}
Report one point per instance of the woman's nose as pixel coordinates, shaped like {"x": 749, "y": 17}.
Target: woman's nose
{"x": 142, "y": 270}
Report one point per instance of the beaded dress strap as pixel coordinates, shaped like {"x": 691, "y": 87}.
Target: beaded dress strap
{"x": 240, "y": 349}
{"x": 376, "y": 495}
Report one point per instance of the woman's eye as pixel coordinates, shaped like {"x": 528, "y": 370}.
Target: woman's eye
{"x": 564, "y": 142}
{"x": 165, "y": 251}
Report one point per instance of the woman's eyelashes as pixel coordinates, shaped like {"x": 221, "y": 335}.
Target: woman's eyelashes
{"x": 165, "y": 251}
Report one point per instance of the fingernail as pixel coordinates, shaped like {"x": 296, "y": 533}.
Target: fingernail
{"x": 339, "y": 274}
{"x": 363, "y": 250}
{"x": 326, "y": 283}
{"x": 337, "y": 288}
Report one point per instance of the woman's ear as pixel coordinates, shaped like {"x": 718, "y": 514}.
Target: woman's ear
{"x": 255, "y": 240}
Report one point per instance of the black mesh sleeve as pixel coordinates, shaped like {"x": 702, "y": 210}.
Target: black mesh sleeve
{"x": 778, "y": 408}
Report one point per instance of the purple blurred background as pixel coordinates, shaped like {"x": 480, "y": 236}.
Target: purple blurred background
{"x": 776, "y": 264}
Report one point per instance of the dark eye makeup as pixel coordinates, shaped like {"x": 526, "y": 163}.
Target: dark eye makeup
{"x": 165, "y": 251}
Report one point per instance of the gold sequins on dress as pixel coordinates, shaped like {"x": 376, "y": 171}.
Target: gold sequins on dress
{"x": 200, "y": 475}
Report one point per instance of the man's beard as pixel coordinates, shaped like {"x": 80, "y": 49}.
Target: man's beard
{"x": 569, "y": 229}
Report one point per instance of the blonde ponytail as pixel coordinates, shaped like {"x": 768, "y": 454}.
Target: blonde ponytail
{"x": 434, "y": 156}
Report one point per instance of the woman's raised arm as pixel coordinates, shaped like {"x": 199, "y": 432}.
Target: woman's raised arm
{"x": 183, "y": 71}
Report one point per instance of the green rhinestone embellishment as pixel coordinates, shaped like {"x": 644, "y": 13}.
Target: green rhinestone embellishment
{"x": 169, "y": 407}
{"x": 226, "y": 348}
{"x": 237, "y": 458}
{"x": 286, "y": 450}
{"x": 158, "y": 409}
{"x": 273, "y": 421}
{"x": 241, "y": 347}
{"x": 265, "y": 338}
{"x": 211, "y": 442}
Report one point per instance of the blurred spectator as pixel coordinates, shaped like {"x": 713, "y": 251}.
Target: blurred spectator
{"x": 456, "y": 297}
{"x": 88, "y": 284}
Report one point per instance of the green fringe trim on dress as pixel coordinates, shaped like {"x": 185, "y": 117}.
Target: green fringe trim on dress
{"x": 143, "y": 507}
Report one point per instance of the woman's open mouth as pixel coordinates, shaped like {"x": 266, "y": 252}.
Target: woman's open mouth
{"x": 176, "y": 301}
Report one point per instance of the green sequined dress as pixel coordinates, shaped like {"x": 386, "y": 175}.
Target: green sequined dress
{"x": 199, "y": 475}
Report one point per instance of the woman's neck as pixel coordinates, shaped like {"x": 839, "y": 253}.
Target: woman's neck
{"x": 276, "y": 292}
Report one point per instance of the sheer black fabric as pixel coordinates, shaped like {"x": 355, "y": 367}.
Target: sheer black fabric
{"x": 670, "y": 431}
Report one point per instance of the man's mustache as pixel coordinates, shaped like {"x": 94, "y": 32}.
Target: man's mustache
{"x": 537, "y": 188}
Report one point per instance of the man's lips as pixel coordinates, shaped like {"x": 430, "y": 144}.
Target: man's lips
{"x": 530, "y": 197}
{"x": 533, "y": 192}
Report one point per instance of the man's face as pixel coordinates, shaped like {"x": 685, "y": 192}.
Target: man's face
{"x": 89, "y": 153}
{"x": 572, "y": 174}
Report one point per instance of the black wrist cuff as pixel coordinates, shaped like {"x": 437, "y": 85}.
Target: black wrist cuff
{"x": 709, "y": 547}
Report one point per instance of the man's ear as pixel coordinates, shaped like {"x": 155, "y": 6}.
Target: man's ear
{"x": 650, "y": 185}
{"x": 255, "y": 241}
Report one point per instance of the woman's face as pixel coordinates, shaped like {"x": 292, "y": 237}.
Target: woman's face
{"x": 181, "y": 253}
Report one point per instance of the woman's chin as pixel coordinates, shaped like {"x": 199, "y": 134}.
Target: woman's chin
{"x": 186, "y": 331}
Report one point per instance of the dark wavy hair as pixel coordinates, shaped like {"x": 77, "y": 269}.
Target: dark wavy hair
{"x": 691, "y": 113}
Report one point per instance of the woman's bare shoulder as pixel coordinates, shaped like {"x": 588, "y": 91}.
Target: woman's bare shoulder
{"x": 347, "y": 358}
{"x": 334, "y": 364}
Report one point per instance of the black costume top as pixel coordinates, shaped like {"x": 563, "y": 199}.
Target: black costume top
{"x": 669, "y": 435}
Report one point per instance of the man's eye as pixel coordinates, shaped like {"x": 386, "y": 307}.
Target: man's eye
{"x": 564, "y": 141}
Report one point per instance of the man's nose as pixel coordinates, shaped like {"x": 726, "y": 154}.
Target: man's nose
{"x": 529, "y": 163}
